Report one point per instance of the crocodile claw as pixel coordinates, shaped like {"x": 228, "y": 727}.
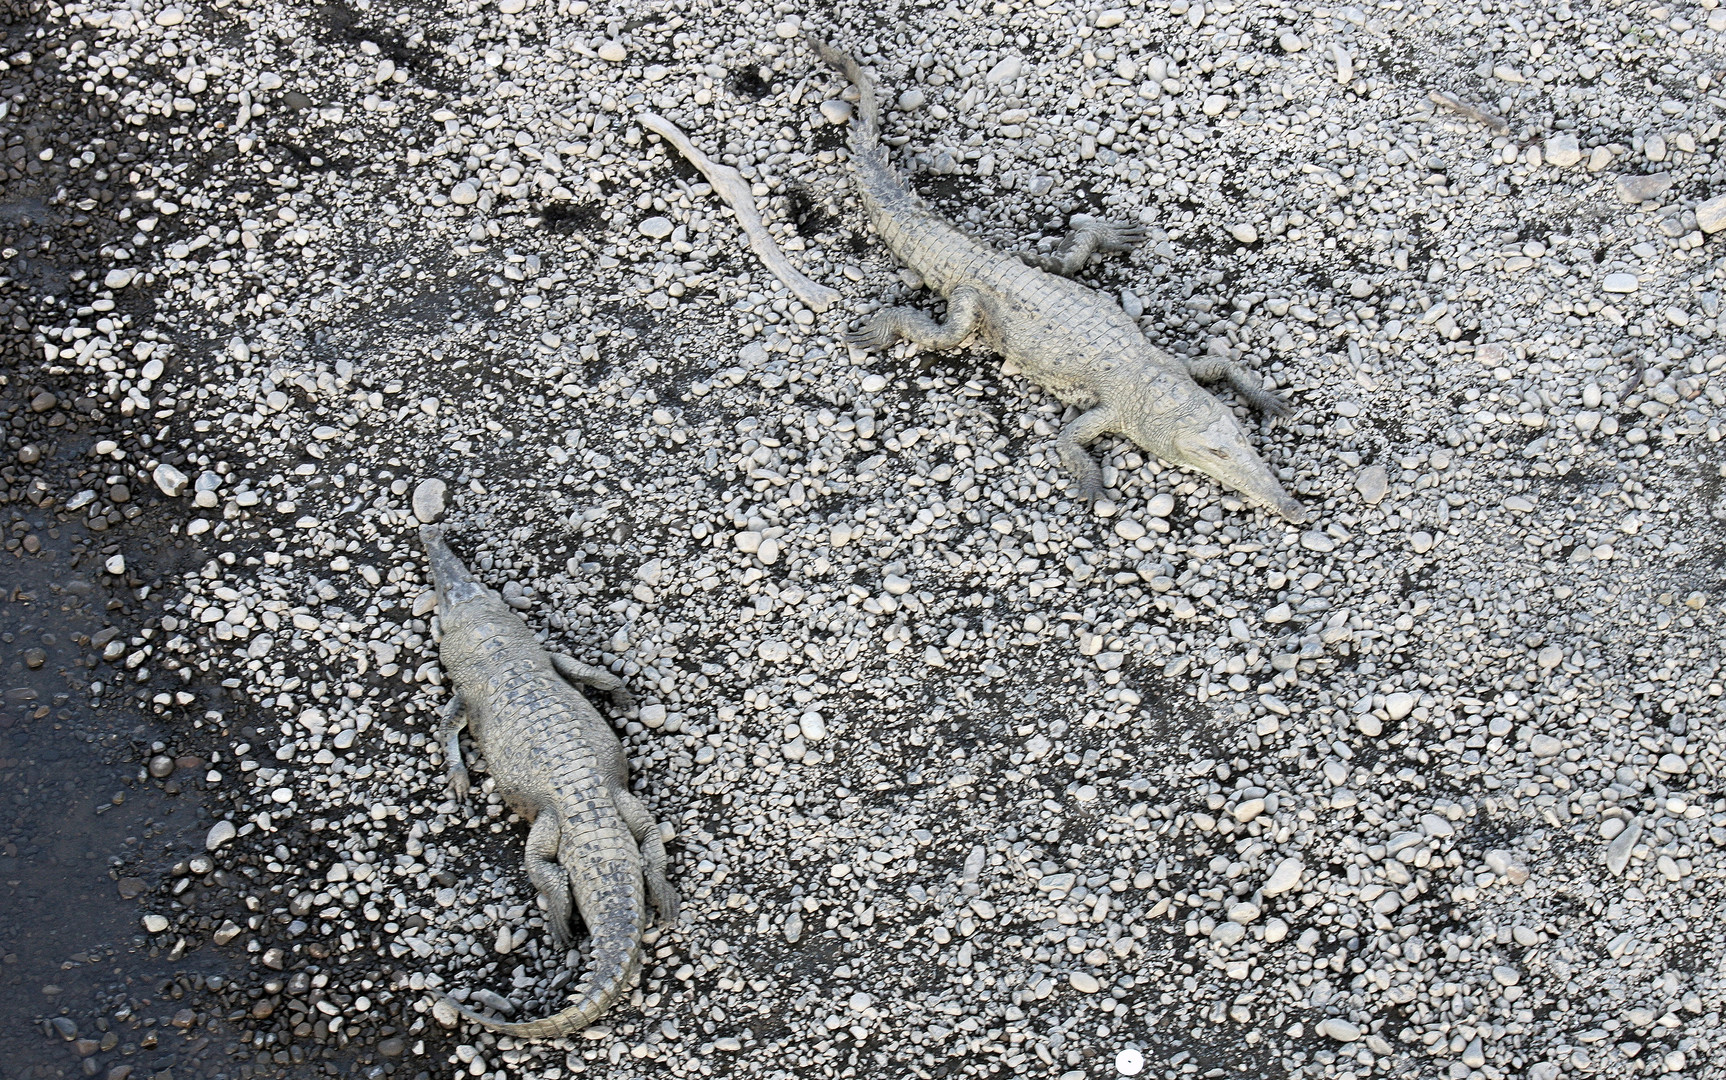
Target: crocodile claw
{"x": 871, "y": 335}
{"x": 459, "y": 785}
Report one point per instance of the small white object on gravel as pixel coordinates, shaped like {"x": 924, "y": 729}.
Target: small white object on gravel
{"x": 428, "y": 500}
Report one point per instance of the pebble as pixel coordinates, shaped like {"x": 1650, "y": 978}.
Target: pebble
{"x": 613, "y": 52}
{"x": 1313, "y": 540}
{"x": 1618, "y": 851}
{"x": 1339, "y": 1029}
{"x": 1372, "y": 483}
{"x": 155, "y": 924}
{"x": 835, "y": 111}
{"x": 1084, "y": 982}
{"x": 1006, "y": 70}
{"x": 464, "y": 194}
{"x": 1563, "y": 150}
{"x": 119, "y": 278}
{"x": 1711, "y": 215}
{"x": 1284, "y": 878}
{"x": 1639, "y": 189}
{"x": 912, "y": 100}
{"x": 1399, "y": 704}
{"x": 428, "y": 500}
{"x": 170, "y": 480}
{"x": 1244, "y": 232}
{"x": 1619, "y": 282}
{"x": 170, "y": 17}
{"x": 220, "y": 833}
{"x": 655, "y": 228}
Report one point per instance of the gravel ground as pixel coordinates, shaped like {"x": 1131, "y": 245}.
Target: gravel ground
{"x": 965, "y": 777}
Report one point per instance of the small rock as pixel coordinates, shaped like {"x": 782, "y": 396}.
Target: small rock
{"x": 613, "y": 52}
{"x": 170, "y": 17}
{"x": 1246, "y": 234}
{"x": 1372, "y": 483}
{"x": 65, "y": 1027}
{"x": 220, "y": 833}
{"x": 1313, "y": 540}
{"x": 1563, "y": 151}
{"x": 1005, "y": 71}
{"x": 1161, "y": 505}
{"x": 836, "y": 111}
{"x": 1619, "y": 283}
{"x": 1399, "y": 704}
{"x": 793, "y": 927}
{"x": 1214, "y": 104}
{"x": 444, "y": 1012}
{"x": 395, "y": 1045}
{"x": 1587, "y": 420}
{"x": 161, "y": 766}
{"x": 512, "y": 7}
{"x": 119, "y": 278}
{"x": 1711, "y": 215}
{"x": 1421, "y": 542}
{"x": 1290, "y": 42}
{"x": 1507, "y": 866}
{"x": 464, "y": 194}
{"x": 1673, "y": 764}
{"x": 912, "y": 100}
{"x": 1084, "y": 982}
{"x": 428, "y": 500}
{"x": 115, "y": 564}
{"x": 813, "y": 726}
{"x": 1341, "y": 1030}
{"x": 170, "y": 480}
{"x": 656, "y": 228}
{"x": 1545, "y": 746}
{"x": 1285, "y": 877}
{"x": 1278, "y": 615}
{"x": 1639, "y": 189}
{"x": 1618, "y": 851}
{"x": 155, "y": 924}
{"x": 895, "y": 586}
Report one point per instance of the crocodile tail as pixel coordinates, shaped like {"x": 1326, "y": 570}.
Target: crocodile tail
{"x": 616, "y": 963}
{"x": 866, "y": 132}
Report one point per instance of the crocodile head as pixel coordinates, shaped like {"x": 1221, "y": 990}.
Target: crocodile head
{"x": 455, "y": 583}
{"x": 1214, "y": 443}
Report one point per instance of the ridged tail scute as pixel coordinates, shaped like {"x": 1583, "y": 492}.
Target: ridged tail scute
{"x": 866, "y": 129}
{"x": 616, "y": 964}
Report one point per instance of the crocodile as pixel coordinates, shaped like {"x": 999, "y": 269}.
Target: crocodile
{"x": 556, "y": 761}
{"x": 1076, "y": 343}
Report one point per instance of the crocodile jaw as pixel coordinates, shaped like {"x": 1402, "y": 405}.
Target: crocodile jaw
{"x": 1218, "y": 447}
{"x": 455, "y": 583}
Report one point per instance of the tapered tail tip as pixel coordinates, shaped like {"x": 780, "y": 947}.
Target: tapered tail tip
{"x": 1292, "y": 512}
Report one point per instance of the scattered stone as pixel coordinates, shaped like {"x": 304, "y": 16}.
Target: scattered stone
{"x": 1640, "y": 189}
{"x": 428, "y": 500}
{"x": 1711, "y": 215}
{"x": 1563, "y": 150}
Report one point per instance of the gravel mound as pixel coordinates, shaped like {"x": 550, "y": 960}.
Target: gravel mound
{"x": 964, "y": 776}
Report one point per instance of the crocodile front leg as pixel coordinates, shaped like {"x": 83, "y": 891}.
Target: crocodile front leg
{"x": 653, "y": 858}
{"x": 549, "y": 878}
{"x": 964, "y": 314}
{"x": 1213, "y": 369}
{"x": 580, "y": 674}
{"x": 1087, "y": 474}
{"x": 449, "y": 736}
{"x": 1087, "y": 237}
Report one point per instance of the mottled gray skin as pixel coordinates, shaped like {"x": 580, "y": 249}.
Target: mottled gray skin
{"x": 558, "y": 764}
{"x": 1075, "y": 343}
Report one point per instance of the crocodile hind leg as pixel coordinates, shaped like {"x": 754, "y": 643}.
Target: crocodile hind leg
{"x": 1213, "y": 369}
{"x": 653, "y": 858}
{"x": 964, "y": 313}
{"x": 550, "y": 879}
{"x": 1086, "y": 429}
{"x": 449, "y": 737}
{"x": 580, "y": 674}
{"x": 1087, "y": 237}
